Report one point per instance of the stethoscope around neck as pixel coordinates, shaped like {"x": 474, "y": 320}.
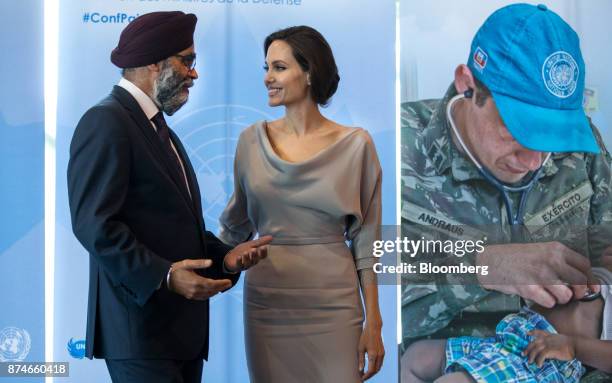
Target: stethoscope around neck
{"x": 515, "y": 220}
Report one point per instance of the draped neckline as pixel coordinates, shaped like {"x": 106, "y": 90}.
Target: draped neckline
{"x": 269, "y": 148}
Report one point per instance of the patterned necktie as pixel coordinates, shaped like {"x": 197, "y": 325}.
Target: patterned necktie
{"x": 164, "y": 135}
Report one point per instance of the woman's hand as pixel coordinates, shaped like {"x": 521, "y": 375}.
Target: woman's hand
{"x": 370, "y": 343}
{"x": 247, "y": 254}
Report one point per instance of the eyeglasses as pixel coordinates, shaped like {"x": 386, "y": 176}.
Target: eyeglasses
{"x": 188, "y": 60}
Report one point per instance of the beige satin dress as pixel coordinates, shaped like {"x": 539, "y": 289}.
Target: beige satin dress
{"x": 302, "y": 308}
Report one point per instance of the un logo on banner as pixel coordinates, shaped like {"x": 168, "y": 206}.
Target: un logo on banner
{"x": 210, "y": 135}
{"x": 560, "y": 74}
{"x": 14, "y": 344}
{"x": 76, "y": 349}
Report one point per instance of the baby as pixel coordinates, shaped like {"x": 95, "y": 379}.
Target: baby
{"x": 534, "y": 345}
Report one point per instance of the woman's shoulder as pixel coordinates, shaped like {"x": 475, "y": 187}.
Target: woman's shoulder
{"x": 358, "y": 135}
{"x": 250, "y": 133}
{"x": 363, "y": 144}
{"x": 252, "y": 129}
{"x": 345, "y": 131}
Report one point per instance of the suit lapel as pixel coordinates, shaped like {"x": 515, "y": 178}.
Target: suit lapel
{"x": 191, "y": 176}
{"x": 126, "y": 99}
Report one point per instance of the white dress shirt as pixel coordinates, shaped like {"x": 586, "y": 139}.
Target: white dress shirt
{"x": 150, "y": 109}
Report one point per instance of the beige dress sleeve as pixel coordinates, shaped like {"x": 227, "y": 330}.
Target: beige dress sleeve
{"x": 364, "y": 227}
{"x": 235, "y": 225}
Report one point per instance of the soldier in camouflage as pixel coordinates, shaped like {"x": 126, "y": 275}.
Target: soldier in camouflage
{"x": 511, "y": 117}
{"x": 439, "y": 184}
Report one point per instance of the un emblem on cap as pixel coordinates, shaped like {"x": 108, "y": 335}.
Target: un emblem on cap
{"x": 14, "y": 344}
{"x": 560, "y": 74}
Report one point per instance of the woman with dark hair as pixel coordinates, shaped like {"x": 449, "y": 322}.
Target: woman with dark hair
{"x": 314, "y": 185}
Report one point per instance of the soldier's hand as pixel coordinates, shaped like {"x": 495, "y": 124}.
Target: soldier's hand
{"x": 186, "y": 282}
{"x": 606, "y": 258}
{"x": 546, "y": 273}
{"x": 247, "y": 254}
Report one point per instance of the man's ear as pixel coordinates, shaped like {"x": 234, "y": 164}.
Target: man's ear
{"x": 155, "y": 67}
{"x": 464, "y": 79}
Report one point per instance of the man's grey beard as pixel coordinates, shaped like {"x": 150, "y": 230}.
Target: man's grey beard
{"x": 167, "y": 89}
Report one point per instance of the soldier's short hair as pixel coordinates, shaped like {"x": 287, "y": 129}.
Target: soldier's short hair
{"x": 481, "y": 92}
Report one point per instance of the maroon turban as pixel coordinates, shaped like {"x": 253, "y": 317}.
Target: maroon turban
{"x": 153, "y": 37}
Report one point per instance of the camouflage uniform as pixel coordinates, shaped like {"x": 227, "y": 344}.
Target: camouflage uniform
{"x": 445, "y": 197}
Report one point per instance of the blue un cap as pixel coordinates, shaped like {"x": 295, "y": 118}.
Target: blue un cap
{"x": 530, "y": 60}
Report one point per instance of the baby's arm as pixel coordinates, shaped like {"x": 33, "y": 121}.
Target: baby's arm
{"x": 595, "y": 353}
{"x": 592, "y": 352}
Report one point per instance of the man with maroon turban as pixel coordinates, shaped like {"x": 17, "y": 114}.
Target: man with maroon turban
{"x": 136, "y": 208}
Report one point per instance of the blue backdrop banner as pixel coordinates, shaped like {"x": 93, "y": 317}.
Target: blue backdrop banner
{"x": 228, "y": 96}
{"x": 22, "y": 261}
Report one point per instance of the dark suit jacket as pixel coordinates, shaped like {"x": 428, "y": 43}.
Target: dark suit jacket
{"x": 133, "y": 214}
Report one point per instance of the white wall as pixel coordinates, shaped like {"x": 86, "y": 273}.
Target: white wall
{"x": 436, "y": 37}
{"x": 593, "y": 24}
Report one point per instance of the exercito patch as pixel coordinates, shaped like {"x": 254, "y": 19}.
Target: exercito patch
{"x": 568, "y": 202}
{"x": 560, "y": 74}
{"x": 480, "y": 58}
